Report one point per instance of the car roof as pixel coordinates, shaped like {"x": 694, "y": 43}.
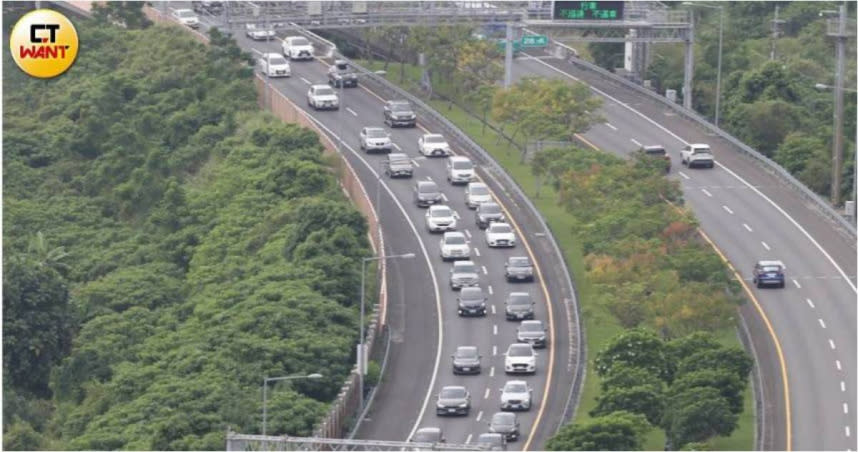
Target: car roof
{"x": 425, "y": 183}
{"x": 392, "y": 102}
{"x": 770, "y": 263}
{"x": 429, "y": 430}
{"x": 453, "y": 234}
{"x": 320, "y": 86}
{"x": 469, "y": 348}
{"x": 397, "y": 155}
{"x": 477, "y": 184}
{"x": 374, "y": 128}
{"x": 653, "y": 147}
{"x": 502, "y": 414}
{"x": 532, "y": 322}
{"x": 462, "y": 263}
{"x": 459, "y": 158}
{"x": 432, "y": 135}
{"x": 271, "y": 54}
{"x": 439, "y": 206}
{"x": 454, "y": 387}
{"x": 510, "y": 382}
{"x": 498, "y": 223}
{"x": 476, "y": 289}
{"x": 698, "y": 145}
{"x": 511, "y": 346}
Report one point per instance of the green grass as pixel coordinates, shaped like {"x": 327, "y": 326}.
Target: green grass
{"x": 599, "y": 324}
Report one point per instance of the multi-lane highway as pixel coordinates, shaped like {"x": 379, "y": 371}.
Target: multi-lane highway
{"x": 426, "y": 328}
{"x": 751, "y": 216}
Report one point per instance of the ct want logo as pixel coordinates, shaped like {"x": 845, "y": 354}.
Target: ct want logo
{"x": 44, "y": 43}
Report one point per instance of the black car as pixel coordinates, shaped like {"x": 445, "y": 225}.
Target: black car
{"x": 341, "y": 74}
{"x": 426, "y": 193}
{"x": 519, "y": 306}
{"x": 488, "y": 212}
{"x": 518, "y": 269}
{"x": 494, "y": 441}
{"x": 532, "y": 332}
{"x": 466, "y": 360}
{"x": 399, "y": 113}
{"x": 453, "y": 400}
{"x": 506, "y": 424}
{"x": 472, "y": 301}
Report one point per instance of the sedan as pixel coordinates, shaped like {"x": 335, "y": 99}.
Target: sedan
{"x": 427, "y": 193}
{"x": 533, "y": 333}
{"x": 769, "y": 273}
{"x": 477, "y": 193}
{"x": 506, "y": 424}
{"x": 440, "y": 219}
{"x": 500, "y": 235}
{"x": 453, "y": 400}
{"x": 487, "y": 213}
{"x": 466, "y": 360}
{"x": 518, "y": 268}
{"x": 519, "y": 306}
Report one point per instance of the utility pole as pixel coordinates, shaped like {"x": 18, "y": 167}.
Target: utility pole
{"x": 840, "y": 35}
{"x": 507, "y": 75}
{"x": 688, "y": 78}
{"x": 776, "y": 32}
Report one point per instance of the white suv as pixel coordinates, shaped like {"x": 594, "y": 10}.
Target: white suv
{"x": 186, "y": 17}
{"x": 454, "y": 245}
{"x": 297, "y": 48}
{"x": 433, "y": 145}
{"x": 460, "y": 170}
{"x": 697, "y": 155}
{"x": 274, "y": 65}
{"x": 516, "y": 395}
{"x": 323, "y": 97}
{"x": 440, "y": 218}
{"x": 500, "y": 235}
{"x": 520, "y": 359}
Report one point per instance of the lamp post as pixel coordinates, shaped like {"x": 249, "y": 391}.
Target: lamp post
{"x": 720, "y": 49}
{"x": 838, "y": 125}
{"x": 361, "y": 351}
{"x": 265, "y": 394}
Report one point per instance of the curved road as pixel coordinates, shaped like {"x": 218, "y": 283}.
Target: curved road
{"x": 750, "y": 216}
{"x": 420, "y": 306}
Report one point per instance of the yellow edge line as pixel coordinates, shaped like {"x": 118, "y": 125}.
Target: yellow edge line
{"x": 544, "y": 290}
{"x": 774, "y": 336}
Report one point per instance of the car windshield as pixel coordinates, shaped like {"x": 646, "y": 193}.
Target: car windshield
{"x": 490, "y": 208}
{"x": 530, "y": 327}
{"x": 486, "y": 438}
{"x": 186, "y": 13}
{"x": 437, "y": 213}
{"x": 480, "y": 190}
{"x": 465, "y": 268}
{"x": 517, "y": 350}
{"x": 398, "y": 159}
{"x": 519, "y": 299}
{"x": 501, "y": 228}
{"x": 702, "y": 151}
{"x": 400, "y": 107}
{"x": 655, "y": 151}
{"x": 428, "y": 188}
{"x": 277, "y": 60}
{"x": 342, "y": 66}
{"x": 325, "y": 91}
{"x": 425, "y": 437}
{"x": 463, "y": 164}
{"x": 472, "y": 293}
{"x": 454, "y": 240}
{"x": 376, "y": 133}
{"x": 503, "y": 419}
{"x": 300, "y": 42}
{"x": 771, "y": 268}
{"x": 515, "y": 387}
{"x": 433, "y": 139}
{"x": 453, "y": 393}
{"x": 466, "y": 352}
{"x": 519, "y": 262}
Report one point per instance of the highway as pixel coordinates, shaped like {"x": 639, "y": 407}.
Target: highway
{"x": 751, "y": 216}
{"x": 421, "y": 303}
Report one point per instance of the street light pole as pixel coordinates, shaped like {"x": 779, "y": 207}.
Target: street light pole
{"x": 265, "y": 394}
{"x": 838, "y": 109}
{"x": 361, "y": 351}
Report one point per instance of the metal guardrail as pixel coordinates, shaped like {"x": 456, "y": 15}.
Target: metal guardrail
{"x": 242, "y": 442}
{"x": 770, "y": 165}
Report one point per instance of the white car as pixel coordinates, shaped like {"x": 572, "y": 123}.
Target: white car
{"x": 186, "y": 17}
{"x": 375, "y": 139}
{"x": 460, "y": 170}
{"x": 323, "y": 97}
{"x": 500, "y": 235}
{"x": 274, "y": 65}
{"x": 259, "y": 33}
{"x": 697, "y": 155}
{"x": 297, "y": 48}
{"x": 454, "y": 245}
{"x": 477, "y": 193}
{"x": 516, "y": 395}
{"x": 440, "y": 219}
{"x": 433, "y": 145}
{"x": 520, "y": 359}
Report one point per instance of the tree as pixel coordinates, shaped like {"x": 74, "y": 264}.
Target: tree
{"x": 478, "y": 65}
{"x": 623, "y": 376}
{"x": 608, "y": 55}
{"x": 619, "y": 430}
{"x": 697, "y": 414}
{"x": 37, "y": 323}
{"x": 634, "y": 348}
{"x": 482, "y": 98}
{"x": 727, "y": 384}
{"x": 641, "y": 399}
{"x": 20, "y": 435}
{"x": 126, "y": 14}
{"x": 45, "y": 256}
{"x": 731, "y": 359}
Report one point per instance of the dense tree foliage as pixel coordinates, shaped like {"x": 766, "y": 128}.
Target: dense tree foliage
{"x": 619, "y": 430}
{"x": 767, "y": 89}
{"x": 166, "y": 247}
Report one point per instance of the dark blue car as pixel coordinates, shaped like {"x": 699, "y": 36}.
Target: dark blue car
{"x": 769, "y": 273}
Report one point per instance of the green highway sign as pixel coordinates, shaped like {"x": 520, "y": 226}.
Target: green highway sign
{"x": 588, "y": 10}
{"x": 534, "y": 41}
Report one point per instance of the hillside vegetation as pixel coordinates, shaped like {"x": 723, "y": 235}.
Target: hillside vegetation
{"x": 166, "y": 246}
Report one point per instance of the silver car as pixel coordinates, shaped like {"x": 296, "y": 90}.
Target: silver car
{"x": 453, "y": 400}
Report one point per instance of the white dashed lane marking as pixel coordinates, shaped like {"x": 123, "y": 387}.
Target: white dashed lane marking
{"x": 492, "y": 371}
{"x": 728, "y": 210}
{"x": 495, "y": 330}
{"x": 485, "y": 272}
{"x": 494, "y": 350}
{"x": 491, "y": 291}
{"x": 845, "y": 408}
{"x": 821, "y": 323}
{"x": 305, "y": 80}
{"x": 766, "y": 246}
{"x": 493, "y": 310}
{"x": 414, "y": 162}
{"x": 351, "y": 111}
{"x": 611, "y": 126}
{"x": 831, "y": 343}
{"x": 798, "y": 286}
{"x": 706, "y": 192}
{"x": 837, "y": 363}
{"x": 468, "y": 233}
{"x": 468, "y": 439}
{"x": 487, "y": 393}
{"x": 636, "y": 142}
{"x": 684, "y": 176}
{"x": 477, "y": 251}
{"x": 842, "y": 386}
{"x": 479, "y": 416}
{"x": 847, "y": 431}
{"x": 747, "y": 227}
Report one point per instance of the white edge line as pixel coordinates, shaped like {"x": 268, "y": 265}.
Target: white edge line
{"x": 754, "y": 189}
{"x": 428, "y": 263}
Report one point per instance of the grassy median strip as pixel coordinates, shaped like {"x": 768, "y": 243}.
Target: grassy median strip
{"x": 599, "y": 323}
